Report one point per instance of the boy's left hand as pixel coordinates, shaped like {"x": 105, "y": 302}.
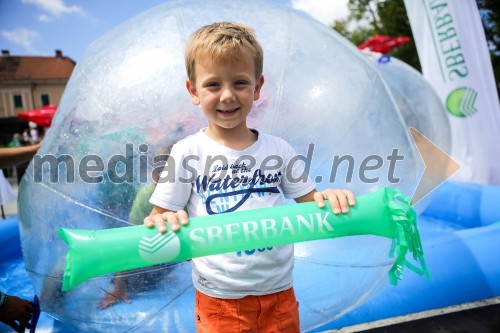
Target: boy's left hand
{"x": 340, "y": 200}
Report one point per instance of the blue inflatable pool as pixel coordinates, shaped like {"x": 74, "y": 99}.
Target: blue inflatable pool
{"x": 460, "y": 234}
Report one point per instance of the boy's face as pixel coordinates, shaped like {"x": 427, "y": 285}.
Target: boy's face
{"x": 225, "y": 91}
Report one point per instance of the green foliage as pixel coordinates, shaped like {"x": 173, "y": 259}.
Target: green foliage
{"x": 364, "y": 10}
{"x": 388, "y": 17}
{"x": 379, "y": 17}
{"x": 341, "y": 27}
{"x": 356, "y": 36}
{"x": 394, "y": 22}
{"x": 490, "y": 15}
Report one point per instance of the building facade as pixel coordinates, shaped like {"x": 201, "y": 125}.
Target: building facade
{"x": 30, "y": 82}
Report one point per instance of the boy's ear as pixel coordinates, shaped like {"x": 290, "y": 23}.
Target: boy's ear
{"x": 192, "y": 91}
{"x": 258, "y": 86}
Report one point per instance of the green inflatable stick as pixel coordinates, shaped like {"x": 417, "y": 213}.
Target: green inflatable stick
{"x": 385, "y": 213}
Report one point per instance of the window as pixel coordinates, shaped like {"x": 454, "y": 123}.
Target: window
{"x": 18, "y": 101}
{"x": 45, "y": 99}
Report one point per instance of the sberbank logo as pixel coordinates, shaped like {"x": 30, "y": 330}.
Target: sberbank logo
{"x": 460, "y": 102}
{"x": 159, "y": 248}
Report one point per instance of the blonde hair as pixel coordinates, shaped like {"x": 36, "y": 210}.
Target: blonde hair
{"x": 223, "y": 42}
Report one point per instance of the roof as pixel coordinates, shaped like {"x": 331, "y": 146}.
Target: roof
{"x": 14, "y": 68}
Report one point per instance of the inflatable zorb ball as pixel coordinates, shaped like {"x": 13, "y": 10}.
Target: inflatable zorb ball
{"x": 126, "y": 102}
{"x": 418, "y": 102}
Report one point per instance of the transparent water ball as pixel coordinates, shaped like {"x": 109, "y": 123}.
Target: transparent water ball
{"x": 126, "y": 103}
{"x": 418, "y": 102}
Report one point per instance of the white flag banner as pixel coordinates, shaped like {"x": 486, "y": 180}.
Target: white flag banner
{"x": 455, "y": 60}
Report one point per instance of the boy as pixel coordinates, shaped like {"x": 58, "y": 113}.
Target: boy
{"x": 228, "y": 166}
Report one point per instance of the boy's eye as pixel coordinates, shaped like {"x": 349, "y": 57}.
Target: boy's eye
{"x": 212, "y": 84}
{"x": 241, "y": 82}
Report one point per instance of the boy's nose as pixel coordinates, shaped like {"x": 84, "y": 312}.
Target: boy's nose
{"x": 227, "y": 95}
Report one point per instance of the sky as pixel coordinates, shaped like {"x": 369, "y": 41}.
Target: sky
{"x": 39, "y": 27}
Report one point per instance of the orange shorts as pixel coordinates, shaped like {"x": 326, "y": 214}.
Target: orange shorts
{"x": 278, "y": 312}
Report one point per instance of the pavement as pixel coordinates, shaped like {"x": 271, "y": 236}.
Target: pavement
{"x": 479, "y": 320}
{"x": 475, "y": 317}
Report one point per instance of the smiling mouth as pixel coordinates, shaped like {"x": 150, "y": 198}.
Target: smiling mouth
{"x": 228, "y": 112}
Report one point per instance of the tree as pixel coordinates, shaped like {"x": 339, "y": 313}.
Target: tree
{"x": 490, "y": 15}
{"x": 356, "y": 36}
{"x": 379, "y": 17}
{"x": 388, "y": 17}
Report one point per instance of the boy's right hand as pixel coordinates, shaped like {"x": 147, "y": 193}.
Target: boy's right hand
{"x": 159, "y": 215}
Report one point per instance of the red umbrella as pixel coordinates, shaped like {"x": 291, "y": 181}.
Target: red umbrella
{"x": 383, "y": 44}
{"x": 42, "y": 116}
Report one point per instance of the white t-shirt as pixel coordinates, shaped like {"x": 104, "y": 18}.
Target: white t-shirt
{"x": 209, "y": 178}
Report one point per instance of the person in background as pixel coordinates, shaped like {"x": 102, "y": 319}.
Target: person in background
{"x": 34, "y": 135}
{"x": 16, "y": 141}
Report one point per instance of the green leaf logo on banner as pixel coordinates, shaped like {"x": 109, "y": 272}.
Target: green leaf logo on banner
{"x": 160, "y": 248}
{"x": 460, "y": 102}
